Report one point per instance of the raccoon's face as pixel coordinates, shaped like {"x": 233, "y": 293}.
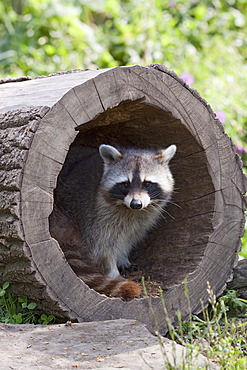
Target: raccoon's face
{"x": 137, "y": 178}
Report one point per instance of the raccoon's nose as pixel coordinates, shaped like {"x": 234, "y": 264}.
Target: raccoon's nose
{"x": 136, "y": 204}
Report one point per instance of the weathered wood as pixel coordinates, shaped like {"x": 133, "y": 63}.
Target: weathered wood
{"x": 130, "y": 106}
{"x": 16, "y": 265}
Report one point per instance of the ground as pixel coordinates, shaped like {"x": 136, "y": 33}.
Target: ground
{"x": 124, "y": 344}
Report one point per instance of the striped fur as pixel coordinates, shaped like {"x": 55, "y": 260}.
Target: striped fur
{"x": 70, "y": 241}
{"x": 104, "y": 205}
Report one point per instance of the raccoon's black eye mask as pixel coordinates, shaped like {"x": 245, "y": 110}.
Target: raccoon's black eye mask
{"x": 126, "y": 185}
{"x": 153, "y": 189}
{"x": 120, "y": 190}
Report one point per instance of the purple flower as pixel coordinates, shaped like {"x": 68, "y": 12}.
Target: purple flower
{"x": 221, "y": 115}
{"x": 240, "y": 149}
{"x": 187, "y": 78}
{"x": 171, "y": 4}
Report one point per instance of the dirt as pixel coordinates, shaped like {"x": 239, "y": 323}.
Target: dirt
{"x": 152, "y": 286}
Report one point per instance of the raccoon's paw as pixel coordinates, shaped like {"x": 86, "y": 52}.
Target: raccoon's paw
{"x": 126, "y": 270}
{"x": 123, "y": 263}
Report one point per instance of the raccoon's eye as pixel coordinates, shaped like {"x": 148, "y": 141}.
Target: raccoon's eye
{"x": 125, "y": 184}
{"x": 147, "y": 184}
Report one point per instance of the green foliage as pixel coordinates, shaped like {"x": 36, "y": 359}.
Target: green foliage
{"x": 203, "y": 40}
{"x": 215, "y": 320}
{"x": 235, "y": 306}
{"x": 224, "y": 335}
{"x": 218, "y": 333}
{"x": 15, "y": 310}
{"x": 243, "y": 252}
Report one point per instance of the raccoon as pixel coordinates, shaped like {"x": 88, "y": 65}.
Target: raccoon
{"x": 110, "y": 198}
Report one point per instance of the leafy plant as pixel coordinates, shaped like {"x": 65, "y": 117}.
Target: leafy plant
{"x": 46, "y": 319}
{"x": 17, "y": 310}
{"x": 218, "y": 332}
{"x": 235, "y": 306}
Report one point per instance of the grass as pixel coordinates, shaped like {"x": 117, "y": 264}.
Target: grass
{"x": 17, "y": 310}
{"x": 219, "y": 333}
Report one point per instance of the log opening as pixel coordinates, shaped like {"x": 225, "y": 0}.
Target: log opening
{"x": 176, "y": 246}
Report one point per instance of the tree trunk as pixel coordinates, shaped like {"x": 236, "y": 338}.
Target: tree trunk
{"x": 130, "y": 106}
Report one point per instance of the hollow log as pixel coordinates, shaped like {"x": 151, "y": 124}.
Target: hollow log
{"x": 197, "y": 239}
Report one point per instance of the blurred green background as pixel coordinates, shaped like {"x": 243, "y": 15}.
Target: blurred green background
{"x": 205, "y": 42}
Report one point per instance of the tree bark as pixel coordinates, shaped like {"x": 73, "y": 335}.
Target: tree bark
{"x": 130, "y": 106}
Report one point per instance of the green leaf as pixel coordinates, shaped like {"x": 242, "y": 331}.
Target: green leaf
{"x": 2, "y": 292}
{"x": 18, "y": 318}
{"x": 5, "y": 285}
{"x": 45, "y": 320}
{"x": 22, "y": 299}
{"x": 32, "y": 306}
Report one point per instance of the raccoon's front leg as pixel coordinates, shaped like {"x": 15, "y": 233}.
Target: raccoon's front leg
{"x": 123, "y": 262}
{"x": 108, "y": 266}
{"x": 127, "y": 267}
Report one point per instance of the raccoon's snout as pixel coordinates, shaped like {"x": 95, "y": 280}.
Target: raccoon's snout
{"x": 137, "y": 201}
{"x": 136, "y": 204}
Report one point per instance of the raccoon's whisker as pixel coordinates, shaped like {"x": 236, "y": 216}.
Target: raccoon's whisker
{"x": 156, "y": 204}
{"x": 163, "y": 217}
{"x": 156, "y": 207}
{"x": 161, "y": 210}
{"x": 175, "y": 204}
{"x": 169, "y": 214}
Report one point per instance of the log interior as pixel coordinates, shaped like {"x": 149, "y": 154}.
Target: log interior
{"x": 176, "y": 246}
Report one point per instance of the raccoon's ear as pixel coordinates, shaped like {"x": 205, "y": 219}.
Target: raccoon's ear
{"x": 109, "y": 154}
{"x": 168, "y": 153}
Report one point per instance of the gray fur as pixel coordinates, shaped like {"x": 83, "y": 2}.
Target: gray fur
{"x": 110, "y": 228}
